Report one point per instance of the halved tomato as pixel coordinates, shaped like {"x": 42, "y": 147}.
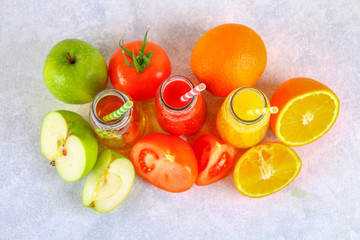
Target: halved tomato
{"x": 215, "y": 159}
{"x": 165, "y": 161}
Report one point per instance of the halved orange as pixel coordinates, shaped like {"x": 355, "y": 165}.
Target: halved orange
{"x": 265, "y": 169}
{"x": 307, "y": 110}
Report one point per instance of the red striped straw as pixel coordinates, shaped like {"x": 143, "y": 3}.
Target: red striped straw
{"x": 193, "y": 92}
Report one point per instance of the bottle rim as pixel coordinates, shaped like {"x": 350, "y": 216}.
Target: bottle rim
{"x": 119, "y": 123}
{"x": 173, "y": 78}
{"x": 240, "y": 90}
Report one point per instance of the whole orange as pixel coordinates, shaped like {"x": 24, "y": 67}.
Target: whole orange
{"x": 227, "y": 57}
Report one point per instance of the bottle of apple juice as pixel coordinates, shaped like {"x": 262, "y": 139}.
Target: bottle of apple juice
{"x": 119, "y": 134}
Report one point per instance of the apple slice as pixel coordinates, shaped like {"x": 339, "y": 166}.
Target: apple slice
{"x": 67, "y": 140}
{"x": 110, "y": 181}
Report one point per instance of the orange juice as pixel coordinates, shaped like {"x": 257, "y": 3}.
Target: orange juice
{"x": 233, "y": 122}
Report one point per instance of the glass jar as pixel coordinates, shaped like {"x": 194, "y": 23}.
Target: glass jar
{"x": 185, "y": 120}
{"x": 240, "y": 132}
{"x": 122, "y": 133}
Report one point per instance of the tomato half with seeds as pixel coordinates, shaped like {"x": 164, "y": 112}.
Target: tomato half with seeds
{"x": 215, "y": 159}
{"x": 167, "y": 162}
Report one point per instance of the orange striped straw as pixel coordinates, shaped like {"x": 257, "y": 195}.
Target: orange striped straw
{"x": 263, "y": 111}
{"x": 193, "y": 92}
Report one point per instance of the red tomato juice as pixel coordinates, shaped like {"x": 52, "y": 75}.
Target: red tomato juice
{"x": 173, "y": 92}
{"x": 173, "y": 115}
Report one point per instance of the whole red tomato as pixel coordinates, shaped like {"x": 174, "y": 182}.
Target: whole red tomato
{"x": 215, "y": 159}
{"x": 166, "y": 161}
{"x": 145, "y": 68}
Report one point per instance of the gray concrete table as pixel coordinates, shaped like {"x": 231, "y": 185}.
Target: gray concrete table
{"x": 316, "y": 39}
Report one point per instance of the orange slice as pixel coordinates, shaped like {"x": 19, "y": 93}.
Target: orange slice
{"x": 265, "y": 169}
{"x": 307, "y": 110}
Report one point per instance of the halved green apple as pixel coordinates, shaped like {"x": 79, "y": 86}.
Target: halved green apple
{"x": 67, "y": 140}
{"x": 110, "y": 181}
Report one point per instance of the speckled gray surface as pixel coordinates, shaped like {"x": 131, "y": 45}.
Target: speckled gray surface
{"x": 318, "y": 39}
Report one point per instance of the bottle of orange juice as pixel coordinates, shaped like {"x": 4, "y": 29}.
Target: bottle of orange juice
{"x": 234, "y": 122}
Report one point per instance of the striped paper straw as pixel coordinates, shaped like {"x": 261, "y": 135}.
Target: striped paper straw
{"x": 193, "y": 92}
{"x": 263, "y": 111}
{"x": 118, "y": 113}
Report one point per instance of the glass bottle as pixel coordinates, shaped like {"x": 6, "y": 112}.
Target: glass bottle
{"x": 179, "y": 119}
{"x": 240, "y": 132}
{"x": 122, "y": 133}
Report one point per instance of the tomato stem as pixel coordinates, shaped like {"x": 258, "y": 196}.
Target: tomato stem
{"x": 141, "y": 61}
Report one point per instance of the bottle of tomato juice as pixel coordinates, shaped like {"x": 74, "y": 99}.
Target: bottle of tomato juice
{"x": 175, "y": 116}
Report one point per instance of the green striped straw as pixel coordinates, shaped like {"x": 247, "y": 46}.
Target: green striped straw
{"x": 118, "y": 113}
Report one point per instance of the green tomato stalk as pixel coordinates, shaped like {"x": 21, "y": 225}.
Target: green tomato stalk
{"x": 141, "y": 61}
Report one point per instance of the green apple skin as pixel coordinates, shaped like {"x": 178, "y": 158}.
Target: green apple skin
{"x": 77, "y": 82}
{"x": 77, "y": 128}
{"x": 109, "y": 163}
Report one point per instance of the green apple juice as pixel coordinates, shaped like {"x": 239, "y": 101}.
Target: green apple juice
{"x": 119, "y": 134}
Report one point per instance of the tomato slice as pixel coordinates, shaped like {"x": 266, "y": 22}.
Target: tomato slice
{"x": 167, "y": 162}
{"x": 215, "y": 159}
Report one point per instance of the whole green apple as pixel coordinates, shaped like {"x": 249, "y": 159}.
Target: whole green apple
{"x": 75, "y": 71}
{"x": 67, "y": 140}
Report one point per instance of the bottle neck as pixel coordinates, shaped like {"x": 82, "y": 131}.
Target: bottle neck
{"x": 168, "y": 81}
{"x": 122, "y": 122}
{"x": 239, "y": 91}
